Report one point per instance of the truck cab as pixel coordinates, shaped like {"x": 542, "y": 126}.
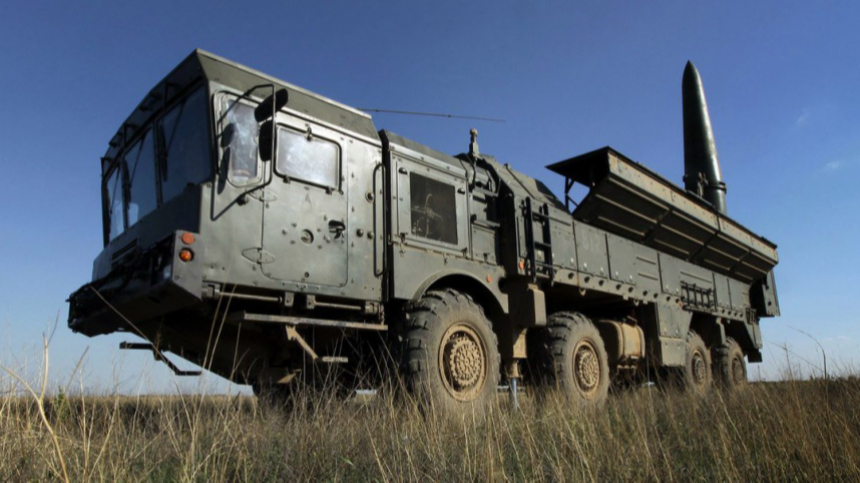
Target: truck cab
{"x": 197, "y": 205}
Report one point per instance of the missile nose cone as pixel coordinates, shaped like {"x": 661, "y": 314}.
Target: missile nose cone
{"x": 690, "y": 67}
{"x": 692, "y": 82}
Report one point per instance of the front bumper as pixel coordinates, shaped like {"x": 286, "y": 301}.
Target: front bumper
{"x": 141, "y": 285}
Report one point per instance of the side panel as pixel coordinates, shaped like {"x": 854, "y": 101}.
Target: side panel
{"x": 563, "y": 241}
{"x": 666, "y": 330}
{"x": 670, "y": 274}
{"x": 721, "y": 287}
{"x": 622, "y": 260}
{"x": 485, "y": 227}
{"x": 591, "y": 254}
{"x": 696, "y": 276}
{"x": 739, "y": 293}
{"x": 647, "y": 270}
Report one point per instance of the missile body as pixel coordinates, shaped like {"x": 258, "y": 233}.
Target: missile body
{"x": 701, "y": 165}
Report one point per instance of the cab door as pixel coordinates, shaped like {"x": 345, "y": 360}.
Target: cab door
{"x": 305, "y": 232}
{"x": 237, "y": 196}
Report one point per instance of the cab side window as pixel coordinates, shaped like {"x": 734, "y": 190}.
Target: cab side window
{"x": 308, "y": 158}
{"x": 433, "y": 209}
{"x": 239, "y": 140}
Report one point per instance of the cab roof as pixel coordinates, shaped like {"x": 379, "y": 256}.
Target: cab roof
{"x": 202, "y": 67}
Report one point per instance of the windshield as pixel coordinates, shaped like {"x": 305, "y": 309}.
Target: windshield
{"x": 140, "y": 163}
{"x": 184, "y": 133}
{"x": 160, "y": 164}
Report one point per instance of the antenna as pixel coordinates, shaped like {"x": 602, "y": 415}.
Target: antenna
{"x": 431, "y": 114}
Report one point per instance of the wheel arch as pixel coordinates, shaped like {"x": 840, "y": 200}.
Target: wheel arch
{"x": 494, "y": 303}
{"x": 715, "y": 334}
{"x": 708, "y": 327}
{"x": 748, "y": 337}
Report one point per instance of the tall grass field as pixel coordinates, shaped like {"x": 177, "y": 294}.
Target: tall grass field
{"x": 776, "y": 431}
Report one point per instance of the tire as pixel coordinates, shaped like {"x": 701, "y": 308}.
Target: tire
{"x": 731, "y": 371}
{"x": 450, "y": 359}
{"x": 571, "y": 358}
{"x": 696, "y": 377}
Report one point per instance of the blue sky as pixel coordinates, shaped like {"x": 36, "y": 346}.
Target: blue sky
{"x": 781, "y": 80}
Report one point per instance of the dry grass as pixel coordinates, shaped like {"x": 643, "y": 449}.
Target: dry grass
{"x": 798, "y": 430}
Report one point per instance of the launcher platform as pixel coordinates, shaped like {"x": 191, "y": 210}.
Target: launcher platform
{"x": 630, "y": 200}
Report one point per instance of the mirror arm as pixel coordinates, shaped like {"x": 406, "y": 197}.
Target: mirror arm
{"x": 277, "y": 102}
{"x": 272, "y": 152}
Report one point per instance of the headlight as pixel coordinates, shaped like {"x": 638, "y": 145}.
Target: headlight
{"x": 166, "y": 271}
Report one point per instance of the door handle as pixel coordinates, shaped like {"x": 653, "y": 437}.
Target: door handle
{"x": 336, "y": 227}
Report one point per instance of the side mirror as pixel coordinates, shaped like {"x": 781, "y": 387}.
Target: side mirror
{"x": 265, "y": 113}
{"x": 271, "y": 105}
{"x": 266, "y": 140}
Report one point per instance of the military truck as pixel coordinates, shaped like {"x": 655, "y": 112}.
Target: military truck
{"x": 269, "y": 234}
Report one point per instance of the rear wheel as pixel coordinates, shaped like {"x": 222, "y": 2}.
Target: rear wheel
{"x": 451, "y": 357}
{"x": 731, "y": 371}
{"x": 571, "y": 358}
{"x": 697, "y": 371}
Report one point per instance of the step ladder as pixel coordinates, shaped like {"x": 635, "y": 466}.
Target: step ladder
{"x": 538, "y": 267}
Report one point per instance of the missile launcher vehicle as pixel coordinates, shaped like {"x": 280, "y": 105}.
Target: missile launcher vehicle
{"x": 272, "y": 236}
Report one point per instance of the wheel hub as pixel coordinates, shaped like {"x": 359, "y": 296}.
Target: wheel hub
{"x": 462, "y": 363}
{"x": 587, "y": 365}
{"x": 738, "y": 373}
{"x": 700, "y": 369}
{"x": 465, "y": 362}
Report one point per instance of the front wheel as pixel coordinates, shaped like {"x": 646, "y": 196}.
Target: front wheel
{"x": 451, "y": 358}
